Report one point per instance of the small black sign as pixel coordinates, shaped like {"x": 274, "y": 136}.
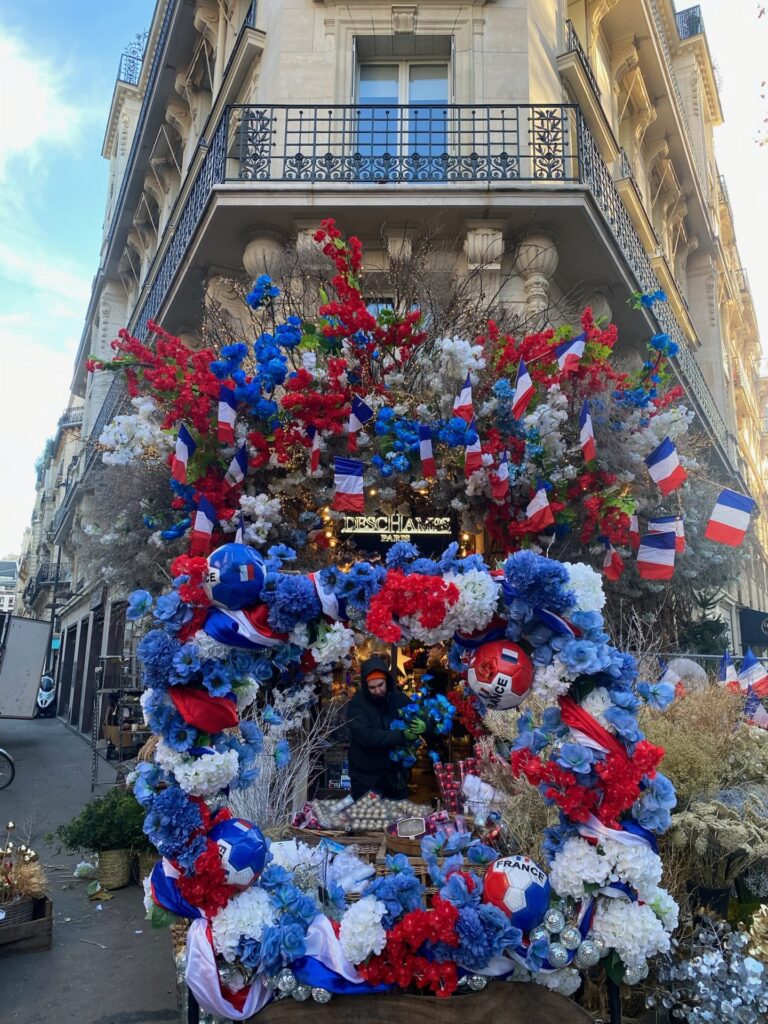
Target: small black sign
{"x": 754, "y": 628}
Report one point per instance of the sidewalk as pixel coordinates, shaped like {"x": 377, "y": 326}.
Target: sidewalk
{"x": 106, "y": 965}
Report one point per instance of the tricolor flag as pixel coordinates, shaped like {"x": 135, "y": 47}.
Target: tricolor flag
{"x": 202, "y": 527}
{"x": 462, "y": 405}
{"x": 729, "y": 521}
{"x": 359, "y": 415}
{"x": 185, "y": 449}
{"x": 524, "y": 391}
{"x": 670, "y": 524}
{"x": 753, "y": 674}
{"x": 664, "y": 467}
{"x": 348, "y": 481}
{"x": 613, "y": 563}
{"x": 238, "y": 467}
{"x": 586, "y": 433}
{"x": 473, "y": 454}
{"x": 656, "y": 556}
{"x": 428, "y": 467}
{"x": 500, "y": 479}
{"x": 727, "y": 676}
{"x": 634, "y": 533}
{"x": 754, "y": 711}
{"x": 314, "y": 452}
{"x": 538, "y": 514}
{"x": 570, "y": 352}
{"x": 226, "y": 417}
{"x": 240, "y": 532}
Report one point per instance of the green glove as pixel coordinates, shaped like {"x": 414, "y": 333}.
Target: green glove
{"x": 415, "y": 729}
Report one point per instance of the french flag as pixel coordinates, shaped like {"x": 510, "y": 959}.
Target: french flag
{"x": 538, "y": 514}
{"x": 656, "y": 556}
{"x": 462, "y": 405}
{"x": 428, "y": 466}
{"x": 664, "y": 467}
{"x": 348, "y": 481}
{"x": 613, "y": 563}
{"x": 314, "y": 451}
{"x": 500, "y": 479}
{"x": 524, "y": 391}
{"x": 238, "y": 467}
{"x": 586, "y": 433}
{"x": 240, "y": 532}
{"x": 185, "y": 449}
{"x": 753, "y": 674}
{"x": 202, "y": 527}
{"x": 473, "y": 454}
{"x": 570, "y": 352}
{"x": 670, "y": 524}
{"x": 729, "y": 521}
{"x": 634, "y": 533}
{"x": 359, "y": 415}
{"x": 225, "y": 429}
{"x": 727, "y": 676}
{"x": 754, "y": 711}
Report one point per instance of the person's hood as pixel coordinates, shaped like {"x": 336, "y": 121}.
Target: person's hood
{"x": 375, "y": 664}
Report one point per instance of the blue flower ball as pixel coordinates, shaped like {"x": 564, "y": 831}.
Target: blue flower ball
{"x": 243, "y": 850}
{"x": 235, "y": 576}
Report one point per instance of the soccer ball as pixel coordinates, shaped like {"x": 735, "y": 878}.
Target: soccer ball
{"x": 243, "y": 850}
{"x": 501, "y": 674}
{"x": 520, "y": 888}
{"x": 235, "y": 576}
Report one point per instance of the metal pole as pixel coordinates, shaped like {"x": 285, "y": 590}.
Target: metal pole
{"x": 614, "y": 1001}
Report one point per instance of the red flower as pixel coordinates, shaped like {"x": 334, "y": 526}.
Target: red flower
{"x": 426, "y": 597}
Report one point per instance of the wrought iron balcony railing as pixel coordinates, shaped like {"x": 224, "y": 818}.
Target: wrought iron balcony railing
{"x": 574, "y": 46}
{"x": 129, "y": 68}
{"x": 690, "y": 22}
{"x": 71, "y": 418}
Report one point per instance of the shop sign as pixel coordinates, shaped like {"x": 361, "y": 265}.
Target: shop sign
{"x": 427, "y": 532}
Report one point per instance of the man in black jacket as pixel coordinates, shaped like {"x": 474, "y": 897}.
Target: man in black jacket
{"x": 370, "y": 714}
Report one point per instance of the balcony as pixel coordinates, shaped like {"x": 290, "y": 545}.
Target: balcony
{"x": 580, "y": 78}
{"x": 71, "y": 418}
{"x": 690, "y": 22}
{"x": 129, "y": 68}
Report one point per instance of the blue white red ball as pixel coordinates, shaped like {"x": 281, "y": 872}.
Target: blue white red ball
{"x": 235, "y": 576}
{"x": 518, "y": 887}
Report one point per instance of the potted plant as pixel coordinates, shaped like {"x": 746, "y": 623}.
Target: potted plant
{"x": 111, "y": 826}
{"x": 22, "y": 881}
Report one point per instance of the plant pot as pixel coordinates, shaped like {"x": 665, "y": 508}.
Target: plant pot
{"x": 145, "y": 861}
{"x": 17, "y": 911}
{"x": 114, "y": 870}
{"x": 707, "y": 898}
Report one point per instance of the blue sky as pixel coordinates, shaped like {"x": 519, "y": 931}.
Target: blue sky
{"x": 58, "y": 63}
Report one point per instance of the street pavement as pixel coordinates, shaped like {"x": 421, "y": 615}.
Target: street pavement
{"x": 106, "y": 966}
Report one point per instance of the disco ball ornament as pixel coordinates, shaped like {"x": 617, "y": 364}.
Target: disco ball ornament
{"x": 587, "y": 955}
{"x": 517, "y": 886}
{"x": 599, "y": 941}
{"x": 570, "y": 936}
{"x": 301, "y": 993}
{"x": 539, "y": 932}
{"x": 235, "y": 576}
{"x": 558, "y": 955}
{"x": 500, "y": 674}
{"x": 286, "y": 980}
{"x": 477, "y": 982}
{"x": 632, "y": 975}
{"x": 243, "y": 850}
{"x": 554, "y": 921}
{"x": 321, "y": 995}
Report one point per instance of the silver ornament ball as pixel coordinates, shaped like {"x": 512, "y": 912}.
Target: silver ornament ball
{"x": 599, "y": 941}
{"x": 632, "y": 975}
{"x": 587, "y": 955}
{"x": 557, "y": 955}
{"x": 539, "y": 932}
{"x": 286, "y": 980}
{"x": 554, "y": 921}
{"x": 321, "y": 995}
{"x": 570, "y": 937}
{"x": 477, "y": 982}
{"x": 301, "y": 993}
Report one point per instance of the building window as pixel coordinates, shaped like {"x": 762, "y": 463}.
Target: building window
{"x": 384, "y": 89}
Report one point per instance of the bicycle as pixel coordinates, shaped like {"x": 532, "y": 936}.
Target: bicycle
{"x": 7, "y": 769}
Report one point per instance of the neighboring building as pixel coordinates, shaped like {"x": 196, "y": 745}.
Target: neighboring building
{"x": 9, "y": 572}
{"x": 567, "y": 146}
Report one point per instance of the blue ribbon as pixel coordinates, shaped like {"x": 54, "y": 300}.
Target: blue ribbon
{"x": 310, "y": 971}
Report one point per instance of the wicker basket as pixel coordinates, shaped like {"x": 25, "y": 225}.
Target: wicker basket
{"x": 369, "y": 844}
{"x": 179, "y": 937}
{"x": 114, "y": 870}
{"x": 17, "y": 911}
{"x": 398, "y": 844}
{"x": 147, "y": 752}
{"x": 145, "y": 861}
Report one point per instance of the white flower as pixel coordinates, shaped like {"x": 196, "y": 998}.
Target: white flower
{"x": 209, "y": 649}
{"x": 167, "y": 757}
{"x": 632, "y": 929}
{"x": 596, "y": 703}
{"x": 261, "y": 513}
{"x": 588, "y": 586}
{"x": 455, "y": 358}
{"x": 208, "y": 774}
{"x": 362, "y": 932}
{"x": 334, "y": 646}
{"x": 580, "y": 864}
{"x": 246, "y": 691}
{"x": 565, "y": 981}
{"x": 299, "y": 635}
{"x": 246, "y": 914}
{"x": 149, "y": 903}
{"x": 550, "y": 682}
{"x": 664, "y": 907}
{"x": 128, "y": 437}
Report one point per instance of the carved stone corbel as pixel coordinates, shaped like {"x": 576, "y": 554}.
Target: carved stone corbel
{"x": 536, "y": 262}
{"x": 626, "y": 59}
{"x": 207, "y": 20}
{"x": 261, "y": 251}
{"x": 179, "y": 116}
{"x": 484, "y": 245}
{"x": 596, "y": 11}
{"x": 399, "y": 241}
{"x": 641, "y": 122}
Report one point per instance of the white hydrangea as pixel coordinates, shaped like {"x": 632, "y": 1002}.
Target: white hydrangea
{"x": 362, "y": 932}
{"x": 478, "y": 600}
{"x": 664, "y": 907}
{"x": 129, "y": 437}
{"x": 596, "y": 703}
{"x": 299, "y": 635}
{"x": 548, "y": 419}
{"x": 580, "y": 864}
{"x": 209, "y": 649}
{"x": 166, "y": 757}
{"x": 246, "y": 914}
{"x": 246, "y": 691}
{"x": 632, "y": 929}
{"x": 262, "y": 514}
{"x": 208, "y": 774}
{"x": 550, "y": 681}
{"x": 565, "y": 981}
{"x": 334, "y": 646}
{"x": 588, "y": 586}
{"x": 455, "y": 357}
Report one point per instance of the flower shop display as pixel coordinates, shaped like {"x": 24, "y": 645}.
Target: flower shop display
{"x": 370, "y": 813}
{"x": 25, "y": 910}
{"x": 282, "y": 456}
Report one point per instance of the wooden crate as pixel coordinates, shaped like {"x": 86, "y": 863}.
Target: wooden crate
{"x": 31, "y": 936}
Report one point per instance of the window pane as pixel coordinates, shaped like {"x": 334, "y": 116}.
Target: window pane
{"x": 378, "y": 83}
{"x": 378, "y": 127}
{"x": 428, "y": 83}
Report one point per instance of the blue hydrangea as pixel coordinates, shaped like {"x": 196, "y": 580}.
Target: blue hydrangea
{"x": 156, "y": 651}
{"x": 291, "y": 600}
{"x": 288, "y": 335}
{"x": 262, "y": 291}
{"x": 401, "y": 554}
{"x": 538, "y": 581}
{"x": 171, "y": 821}
{"x": 230, "y": 360}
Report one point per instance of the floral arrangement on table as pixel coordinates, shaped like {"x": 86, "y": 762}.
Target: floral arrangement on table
{"x": 22, "y": 876}
{"x": 269, "y": 599}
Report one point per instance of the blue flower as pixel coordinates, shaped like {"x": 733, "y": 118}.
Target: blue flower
{"x": 273, "y": 876}
{"x": 261, "y": 292}
{"x": 156, "y": 651}
{"x": 171, "y": 821}
{"x": 249, "y": 952}
{"x": 625, "y": 699}
{"x": 217, "y": 679}
{"x": 139, "y": 604}
{"x": 278, "y": 554}
{"x": 587, "y": 621}
{"x": 147, "y": 778}
{"x": 251, "y": 734}
{"x": 186, "y": 662}
{"x": 575, "y": 758}
{"x": 282, "y": 753}
{"x": 657, "y": 695}
{"x": 652, "y": 809}
{"x": 290, "y": 599}
{"x": 624, "y": 723}
{"x": 187, "y": 858}
{"x": 538, "y": 581}
{"x": 159, "y": 710}
{"x": 555, "y": 837}
{"x": 581, "y": 657}
{"x": 180, "y": 736}
{"x": 479, "y": 853}
{"x": 457, "y": 892}
{"x": 167, "y": 606}
{"x": 288, "y": 335}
